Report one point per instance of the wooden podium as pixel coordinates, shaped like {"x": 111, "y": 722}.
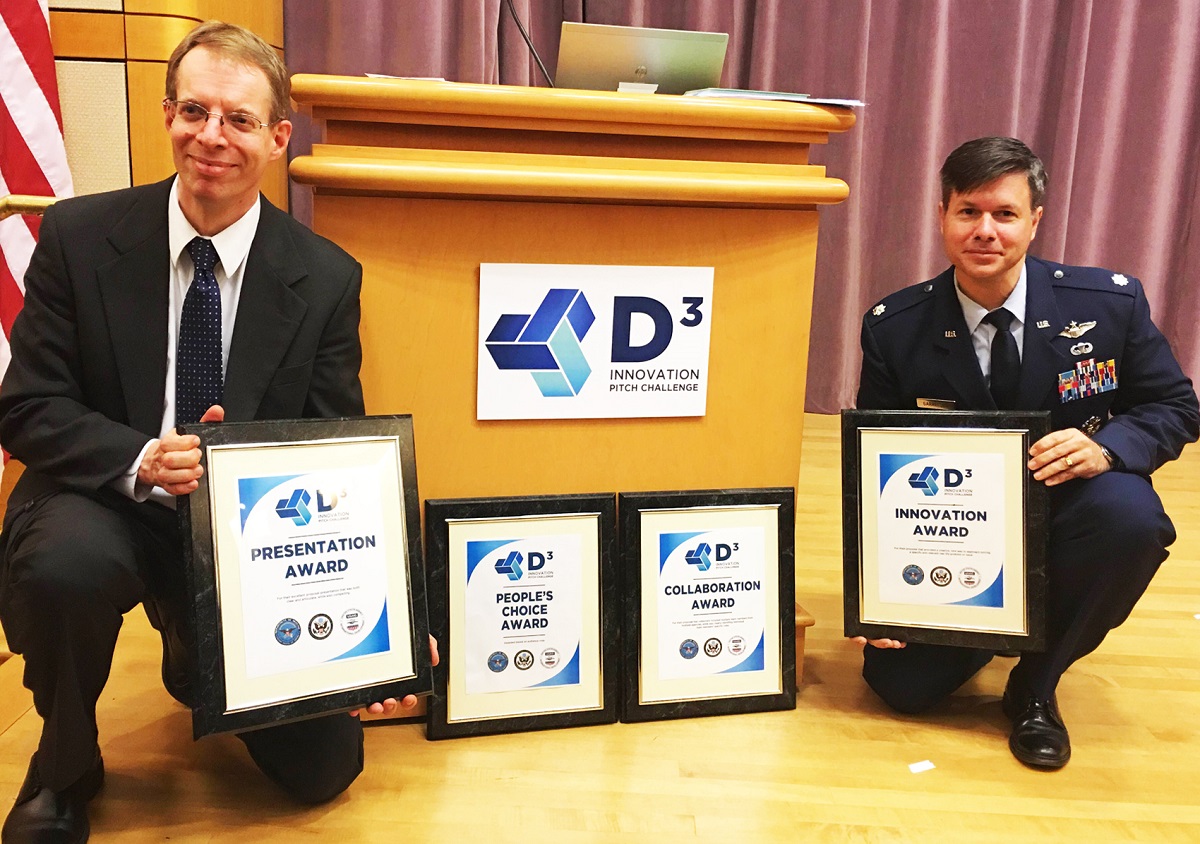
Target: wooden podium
{"x": 424, "y": 181}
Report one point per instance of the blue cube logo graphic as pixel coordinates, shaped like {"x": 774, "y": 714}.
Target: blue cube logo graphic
{"x": 700, "y": 557}
{"x": 510, "y": 565}
{"x": 546, "y": 343}
{"x": 925, "y": 480}
{"x": 295, "y": 508}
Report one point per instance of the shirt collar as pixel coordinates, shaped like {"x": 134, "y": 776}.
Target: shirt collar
{"x": 973, "y": 312}
{"x": 232, "y": 243}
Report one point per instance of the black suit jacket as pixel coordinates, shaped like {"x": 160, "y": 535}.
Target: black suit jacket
{"x": 86, "y": 387}
{"x": 916, "y": 346}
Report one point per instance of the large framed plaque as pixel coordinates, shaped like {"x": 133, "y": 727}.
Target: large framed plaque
{"x": 523, "y": 603}
{"x": 944, "y": 527}
{"x": 306, "y": 570}
{"x": 709, "y": 619}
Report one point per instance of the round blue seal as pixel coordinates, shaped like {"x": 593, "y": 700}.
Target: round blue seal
{"x": 688, "y": 649}
{"x": 498, "y": 661}
{"x": 913, "y": 575}
{"x": 287, "y": 632}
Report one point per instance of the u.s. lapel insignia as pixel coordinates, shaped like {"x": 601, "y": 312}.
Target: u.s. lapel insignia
{"x": 878, "y": 309}
{"x": 1081, "y": 348}
{"x": 1077, "y": 329}
{"x": 1120, "y": 280}
{"x": 951, "y": 334}
{"x": 1043, "y": 323}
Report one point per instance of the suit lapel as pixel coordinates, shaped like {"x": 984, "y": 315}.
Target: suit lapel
{"x": 269, "y": 314}
{"x": 134, "y": 292}
{"x": 952, "y": 341}
{"x": 1039, "y": 360}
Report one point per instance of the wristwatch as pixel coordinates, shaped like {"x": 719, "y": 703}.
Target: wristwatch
{"x": 1113, "y": 462}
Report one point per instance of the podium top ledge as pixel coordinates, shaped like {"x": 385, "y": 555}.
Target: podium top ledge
{"x": 325, "y": 95}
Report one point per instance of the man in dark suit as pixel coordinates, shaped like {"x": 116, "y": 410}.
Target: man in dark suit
{"x": 107, "y": 360}
{"x": 1000, "y": 329}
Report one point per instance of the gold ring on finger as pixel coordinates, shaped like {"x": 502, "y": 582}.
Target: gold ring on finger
{"x": 1068, "y": 461}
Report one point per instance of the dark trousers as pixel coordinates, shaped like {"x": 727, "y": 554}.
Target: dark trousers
{"x": 73, "y": 565}
{"x": 1108, "y": 536}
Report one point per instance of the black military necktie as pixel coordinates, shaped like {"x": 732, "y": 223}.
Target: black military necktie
{"x": 1006, "y": 360}
{"x": 198, "y": 379}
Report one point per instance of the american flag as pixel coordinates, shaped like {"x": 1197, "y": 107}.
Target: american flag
{"x": 33, "y": 159}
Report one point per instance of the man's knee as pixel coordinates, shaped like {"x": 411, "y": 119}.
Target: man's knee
{"x": 314, "y": 760}
{"x": 917, "y": 678}
{"x": 71, "y": 551}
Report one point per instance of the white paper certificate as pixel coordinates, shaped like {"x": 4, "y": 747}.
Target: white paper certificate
{"x": 710, "y": 603}
{"x": 303, "y": 535}
{"x": 942, "y": 528}
{"x": 524, "y": 604}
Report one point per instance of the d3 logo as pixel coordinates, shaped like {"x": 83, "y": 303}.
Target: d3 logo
{"x": 510, "y": 565}
{"x": 546, "y": 343}
{"x": 295, "y": 508}
{"x": 699, "y": 557}
{"x": 925, "y": 480}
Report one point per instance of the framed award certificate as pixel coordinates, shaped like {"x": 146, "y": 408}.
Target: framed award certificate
{"x": 944, "y": 528}
{"x": 709, "y": 619}
{"x": 306, "y": 570}
{"x": 523, "y": 602}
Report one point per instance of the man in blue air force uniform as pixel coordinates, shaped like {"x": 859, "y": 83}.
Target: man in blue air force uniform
{"x": 1077, "y": 341}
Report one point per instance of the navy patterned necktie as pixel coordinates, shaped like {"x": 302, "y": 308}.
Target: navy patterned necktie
{"x": 198, "y": 378}
{"x": 1006, "y": 360}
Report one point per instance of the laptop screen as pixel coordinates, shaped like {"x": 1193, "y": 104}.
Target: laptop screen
{"x": 596, "y": 57}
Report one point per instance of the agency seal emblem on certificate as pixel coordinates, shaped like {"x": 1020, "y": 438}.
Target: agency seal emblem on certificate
{"x": 944, "y": 528}
{"x": 306, "y": 564}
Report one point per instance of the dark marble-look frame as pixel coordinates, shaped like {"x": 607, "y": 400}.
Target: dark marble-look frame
{"x": 1034, "y": 425}
{"x": 631, "y": 506}
{"x": 438, "y": 515}
{"x": 195, "y": 510}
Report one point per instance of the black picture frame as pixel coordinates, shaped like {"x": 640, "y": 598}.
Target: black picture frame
{"x": 595, "y": 700}
{"x": 692, "y": 698}
{"x": 404, "y": 564}
{"x": 1029, "y": 426}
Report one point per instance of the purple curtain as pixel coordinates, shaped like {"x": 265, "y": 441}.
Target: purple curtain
{"x": 1103, "y": 91}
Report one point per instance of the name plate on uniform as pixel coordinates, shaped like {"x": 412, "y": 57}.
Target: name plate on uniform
{"x": 944, "y": 528}
{"x": 306, "y": 570}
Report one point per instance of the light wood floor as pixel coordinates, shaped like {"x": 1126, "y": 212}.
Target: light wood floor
{"x": 835, "y": 769}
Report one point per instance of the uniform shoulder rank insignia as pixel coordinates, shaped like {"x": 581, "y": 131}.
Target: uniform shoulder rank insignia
{"x": 1077, "y": 329}
{"x": 878, "y": 310}
{"x": 1120, "y": 280}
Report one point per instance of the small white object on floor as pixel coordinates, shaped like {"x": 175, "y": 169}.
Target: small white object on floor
{"x": 921, "y": 767}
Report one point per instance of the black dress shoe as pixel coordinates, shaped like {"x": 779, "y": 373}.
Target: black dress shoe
{"x": 42, "y": 816}
{"x": 1039, "y": 736}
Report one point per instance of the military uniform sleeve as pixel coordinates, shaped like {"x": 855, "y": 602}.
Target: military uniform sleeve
{"x": 1155, "y": 413}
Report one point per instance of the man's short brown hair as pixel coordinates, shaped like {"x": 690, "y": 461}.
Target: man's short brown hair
{"x": 984, "y": 160}
{"x": 241, "y": 45}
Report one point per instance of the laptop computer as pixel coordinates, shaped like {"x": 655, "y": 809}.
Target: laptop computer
{"x": 597, "y": 57}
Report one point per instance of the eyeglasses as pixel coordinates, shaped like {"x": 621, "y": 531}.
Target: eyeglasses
{"x": 194, "y": 114}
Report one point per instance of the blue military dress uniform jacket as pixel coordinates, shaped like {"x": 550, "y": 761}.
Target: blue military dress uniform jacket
{"x": 1092, "y": 357}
